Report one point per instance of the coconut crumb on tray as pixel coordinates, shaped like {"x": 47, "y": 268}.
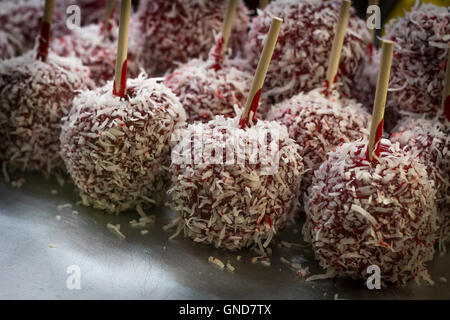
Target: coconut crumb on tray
{"x": 216, "y": 262}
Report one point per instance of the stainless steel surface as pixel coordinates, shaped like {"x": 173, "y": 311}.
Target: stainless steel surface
{"x": 149, "y": 266}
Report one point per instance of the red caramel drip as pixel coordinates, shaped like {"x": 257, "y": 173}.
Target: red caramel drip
{"x": 268, "y": 221}
{"x": 44, "y": 39}
{"x": 123, "y": 82}
{"x": 217, "y": 56}
{"x": 370, "y": 51}
{"x": 253, "y": 107}
{"x": 361, "y": 161}
{"x": 447, "y": 108}
{"x": 358, "y": 161}
{"x": 376, "y": 143}
{"x": 327, "y": 86}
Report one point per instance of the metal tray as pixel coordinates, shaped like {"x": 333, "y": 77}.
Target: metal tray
{"x": 36, "y": 249}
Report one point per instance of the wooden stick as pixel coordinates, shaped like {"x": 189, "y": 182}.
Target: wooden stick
{"x": 109, "y": 11}
{"x": 228, "y": 22}
{"x": 372, "y": 31}
{"x": 261, "y": 71}
{"x": 446, "y": 93}
{"x": 263, "y": 4}
{"x": 217, "y": 54}
{"x": 333, "y": 62}
{"x": 44, "y": 38}
{"x": 48, "y": 11}
{"x": 376, "y": 128}
{"x": 120, "y": 79}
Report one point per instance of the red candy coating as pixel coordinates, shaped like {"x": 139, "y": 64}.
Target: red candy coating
{"x": 319, "y": 124}
{"x": 96, "y": 51}
{"x": 361, "y": 213}
{"x": 429, "y": 141}
{"x": 235, "y": 205}
{"x": 176, "y": 31}
{"x": 209, "y": 88}
{"x": 21, "y": 21}
{"x": 301, "y": 55}
{"x": 34, "y": 96}
{"x": 115, "y": 149}
{"x": 91, "y": 11}
{"x": 417, "y": 77}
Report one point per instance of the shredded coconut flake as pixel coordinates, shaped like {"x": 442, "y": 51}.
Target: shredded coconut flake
{"x": 320, "y": 123}
{"x": 172, "y": 32}
{"x": 421, "y": 38}
{"x": 107, "y": 165}
{"x": 429, "y": 141}
{"x": 216, "y": 262}
{"x": 34, "y": 96}
{"x": 234, "y": 206}
{"x": 303, "y": 47}
{"x": 115, "y": 229}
